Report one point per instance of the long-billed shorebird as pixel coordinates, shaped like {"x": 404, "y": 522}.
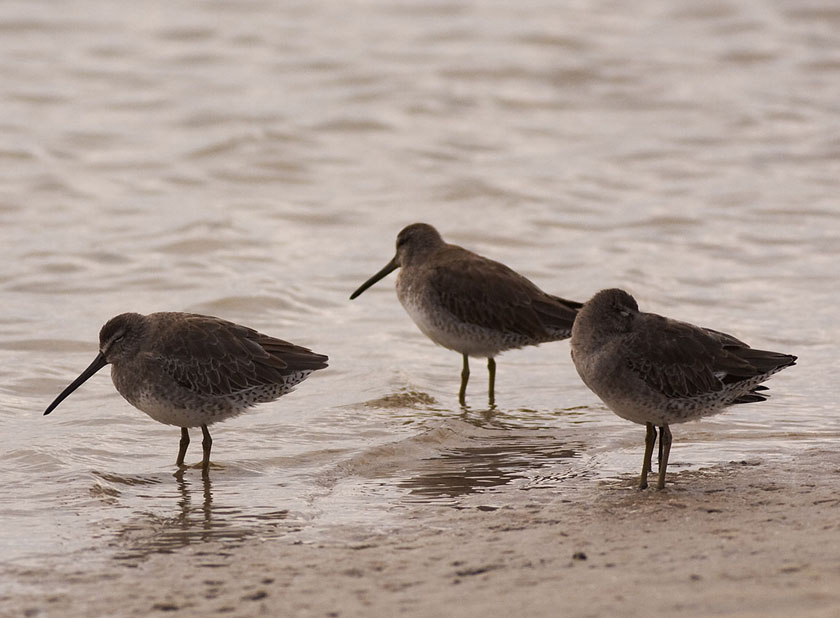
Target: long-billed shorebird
{"x": 193, "y": 370}
{"x": 656, "y": 371}
{"x": 471, "y": 304}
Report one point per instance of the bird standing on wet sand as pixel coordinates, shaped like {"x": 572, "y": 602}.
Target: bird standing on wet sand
{"x": 470, "y": 304}
{"x": 193, "y": 370}
{"x": 656, "y": 371}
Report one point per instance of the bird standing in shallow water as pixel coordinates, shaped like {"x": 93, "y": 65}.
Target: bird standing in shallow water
{"x": 656, "y": 371}
{"x": 193, "y": 370}
{"x": 470, "y": 304}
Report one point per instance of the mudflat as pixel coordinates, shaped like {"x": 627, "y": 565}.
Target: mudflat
{"x": 748, "y": 538}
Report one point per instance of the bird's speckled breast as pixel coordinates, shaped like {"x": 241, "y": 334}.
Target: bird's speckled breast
{"x": 169, "y": 403}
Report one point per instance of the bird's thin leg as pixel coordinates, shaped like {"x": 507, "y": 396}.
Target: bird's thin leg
{"x": 659, "y": 461}
{"x": 206, "y": 444}
{"x": 491, "y": 369}
{"x": 650, "y": 440}
{"x": 185, "y": 442}
{"x": 465, "y": 376}
{"x": 665, "y": 442}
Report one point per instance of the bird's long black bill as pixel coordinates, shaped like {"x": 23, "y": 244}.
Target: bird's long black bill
{"x": 389, "y": 268}
{"x": 98, "y": 363}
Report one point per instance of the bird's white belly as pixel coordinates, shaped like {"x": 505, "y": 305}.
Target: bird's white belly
{"x": 170, "y": 412}
{"x": 445, "y": 330}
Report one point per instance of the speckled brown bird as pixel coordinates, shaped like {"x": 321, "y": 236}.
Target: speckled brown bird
{"x": 469, "y": 303}
{"x": 193, "y": 370}
{"x": 656, "y": 371}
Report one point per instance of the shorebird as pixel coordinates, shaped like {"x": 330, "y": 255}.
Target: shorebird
{"x": 656, "y": 371}
{"x": 193, "y": 370}
{"x": 471, "y": 304}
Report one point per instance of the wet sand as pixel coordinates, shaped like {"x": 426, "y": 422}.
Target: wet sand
{"x": 750, "y": 538}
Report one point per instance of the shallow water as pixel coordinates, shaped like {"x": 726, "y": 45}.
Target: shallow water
{"x": 255, "y": 161}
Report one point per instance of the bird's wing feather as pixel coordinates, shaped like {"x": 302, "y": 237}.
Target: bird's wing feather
{"x": 211, "y": 355}
{"x": 682, "y": 360}
{"x": 486, "y": 293}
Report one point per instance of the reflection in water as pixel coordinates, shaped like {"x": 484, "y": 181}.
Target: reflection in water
{"x": 197, "y": 518}
{"x": 193, "y": 522}
{"x": 474, "y": 469}
{"x": 497, "y": 418}
{"x": 406, "y": 402}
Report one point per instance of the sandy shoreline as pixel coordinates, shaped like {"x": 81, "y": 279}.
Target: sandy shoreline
{"x": 738, "y": 539}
